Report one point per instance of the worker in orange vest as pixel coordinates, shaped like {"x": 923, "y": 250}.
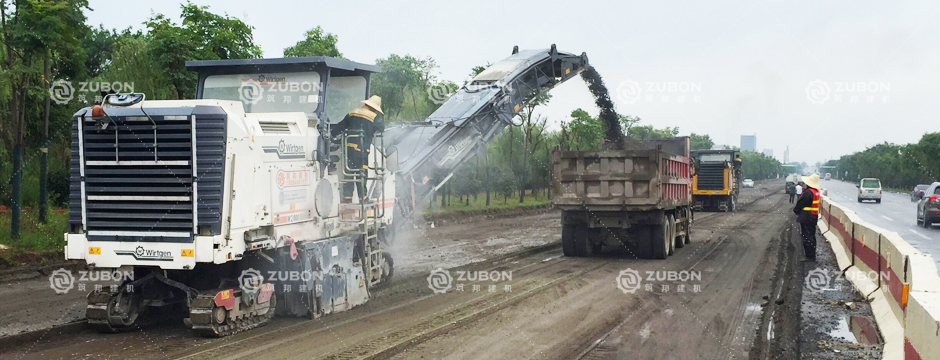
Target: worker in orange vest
{"x": 807, "y": 211}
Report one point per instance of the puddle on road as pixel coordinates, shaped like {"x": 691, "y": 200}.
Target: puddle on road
{"x": 856, "y": 330}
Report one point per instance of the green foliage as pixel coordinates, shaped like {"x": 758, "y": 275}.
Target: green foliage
{"x": 316, "y": 42}
{"x": 647, "y": 132}
{"x": 700, "y": 142}
{"x": 504, "y": 181}
{"x": 898, "y": 166}
{"x": 202, "y": 36}
{"x": 758, "y": 166}
{"x": 582, "y": 132}
{"x": 131, "y": 61}
{"x": 35, "y": 236}
{"x": 403, "y": 85}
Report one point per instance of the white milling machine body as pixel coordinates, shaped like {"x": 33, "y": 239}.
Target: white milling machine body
{"x": 229, "y": 205}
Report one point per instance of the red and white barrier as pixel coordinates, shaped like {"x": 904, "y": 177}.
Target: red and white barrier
{"x": 905, "y": 293}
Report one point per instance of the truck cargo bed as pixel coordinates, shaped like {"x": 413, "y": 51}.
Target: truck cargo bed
{"x": 623, "y": 180}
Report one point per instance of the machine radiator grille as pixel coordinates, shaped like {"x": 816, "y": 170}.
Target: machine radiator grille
{"x": 711, "y": 176}
{"x": 132, "y": 173}
{"x": 139, "y": 178}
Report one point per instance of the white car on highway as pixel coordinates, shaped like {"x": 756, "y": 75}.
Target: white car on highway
{"x": 869, "y": 189}
{"x": 748, "y": 183}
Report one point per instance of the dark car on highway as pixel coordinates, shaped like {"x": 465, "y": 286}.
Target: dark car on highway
{"x": 928, "y": 208}
{"x": 918, "y": 192}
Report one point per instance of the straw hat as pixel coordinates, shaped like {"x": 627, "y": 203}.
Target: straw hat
{"x": 811, "y": 181}
{"x": 374, "y": 102}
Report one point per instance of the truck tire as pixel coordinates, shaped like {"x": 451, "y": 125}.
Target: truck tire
{"x": 659, "y": 243}
{"x": 672, "y": 234}
{"x": 569, "y": 233}
{"x": 589, "y": 242}
{"x": 641, "y": 236}
{"x": 688, "y": 226}
{"x": 681, "y": 223}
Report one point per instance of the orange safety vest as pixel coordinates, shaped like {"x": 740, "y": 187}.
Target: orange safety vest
{"x": 814, "y": 209}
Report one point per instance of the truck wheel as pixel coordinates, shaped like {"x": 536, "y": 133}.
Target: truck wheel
{"x": 671, "y": 239}
{"x": 641, "y": 236}
{"x": 688, "y": 227}
{"x": 569, "y": 232}
{"x": 584, "y": 245}
{"x": 682, "y": 222}
{"x": 659, "y": 243}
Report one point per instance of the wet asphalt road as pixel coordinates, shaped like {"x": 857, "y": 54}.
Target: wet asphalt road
{"x": 895, "y": 213}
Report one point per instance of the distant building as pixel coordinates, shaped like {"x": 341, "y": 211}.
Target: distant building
{"x": 786, "y": 155}
{"x": 769, "y": 153}
{"x": 749, "y": 143}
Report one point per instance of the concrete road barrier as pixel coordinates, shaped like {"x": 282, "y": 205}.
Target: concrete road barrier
{"x": 900, "y": 282}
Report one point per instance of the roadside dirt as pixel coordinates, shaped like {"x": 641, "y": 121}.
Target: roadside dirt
{"x": 550, "y": 306}
{"x": 27, "y": 303}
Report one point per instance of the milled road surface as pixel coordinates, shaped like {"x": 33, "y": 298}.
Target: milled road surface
{"x": 551, "y": 306}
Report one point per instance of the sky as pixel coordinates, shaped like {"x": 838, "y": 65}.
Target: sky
{"x": 824, "y": 78}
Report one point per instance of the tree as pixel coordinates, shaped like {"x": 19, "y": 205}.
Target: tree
{"x": 398, "y": 72}
{"x": 533, "y": 130}
{"x": 647, "y": 132}
{"x": 758, "y": 166}
{"x": 700, "y": 142}
{"x": 582, "y": 132}
{"x": 404, "y": 85}
{"x": 31, "y": 32}
{"x": 316, "y": 42}
{"x": 202, "y": 36}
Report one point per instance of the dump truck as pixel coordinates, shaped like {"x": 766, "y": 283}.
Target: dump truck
{"x": 636, "y": 198}
{"x": 717, "y": 180}
{"x": 227, "y": 206}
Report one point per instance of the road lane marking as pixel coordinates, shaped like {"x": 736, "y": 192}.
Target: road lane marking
{"x": 889, "y": 219}
{"x": 869, "y": 209}
{"x": 919, "y": 234}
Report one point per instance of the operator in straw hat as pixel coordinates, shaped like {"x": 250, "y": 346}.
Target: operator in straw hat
{"x": 807, "y": 212}
{"x": 360, "y": 125}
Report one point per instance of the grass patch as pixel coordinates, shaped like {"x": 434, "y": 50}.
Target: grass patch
{"x": 497, "y": 202}
{"x": 35, "y": 237}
